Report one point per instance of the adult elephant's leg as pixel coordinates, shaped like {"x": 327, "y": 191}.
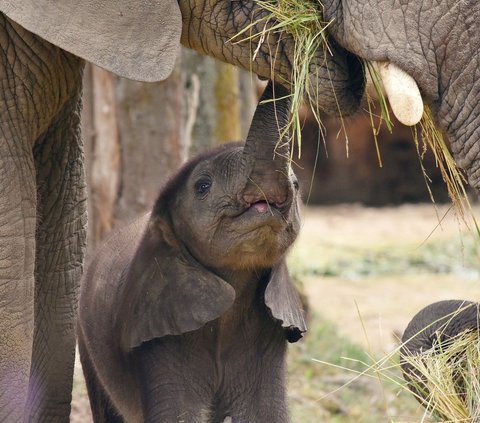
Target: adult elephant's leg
{"x": 60, "y": 249}
{"x": 17, "y": 229}
{"x": 17, "y": 253}
{"x": 39, "y": 92}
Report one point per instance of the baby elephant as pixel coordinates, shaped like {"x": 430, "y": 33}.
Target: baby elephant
{"x": 185, "y": 313}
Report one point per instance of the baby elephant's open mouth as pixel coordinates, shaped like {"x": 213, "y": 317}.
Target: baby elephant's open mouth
{"x": 263, "y": 206}
{"x": 266, "y": 203}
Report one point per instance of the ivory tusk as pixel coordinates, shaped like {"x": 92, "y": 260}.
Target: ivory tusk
{"x": 402, "y": 92}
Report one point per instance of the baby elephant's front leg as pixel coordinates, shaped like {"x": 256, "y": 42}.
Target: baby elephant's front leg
{"x": 265, "y": 401}
{"x": 165, "y": 393}
{"x": 263, "y": 410}
{"x": 167, "y": 401}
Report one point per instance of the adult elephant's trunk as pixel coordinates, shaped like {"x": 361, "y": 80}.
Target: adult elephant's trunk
{"x": 434, "y": 327}
{"x": 335, "y": 72}
{"x": 267, "y": 151}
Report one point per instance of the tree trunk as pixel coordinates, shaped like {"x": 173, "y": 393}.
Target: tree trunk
{"x": 226, "y": 100}
{"x": 152, "y": 140}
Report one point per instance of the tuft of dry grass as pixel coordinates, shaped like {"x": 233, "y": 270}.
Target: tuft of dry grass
{"x": 445, "y": 378}
{"x": 426, "y": 135}
{"x": 303, "y": 21}
{"x": 453, "y": 177}
{"x": 448, "y": 383}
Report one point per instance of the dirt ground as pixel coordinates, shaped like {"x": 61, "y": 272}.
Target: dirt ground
{"x": 371, "y": 310}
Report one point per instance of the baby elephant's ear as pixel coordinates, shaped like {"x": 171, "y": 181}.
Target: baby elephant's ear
{"x": 167, "y": 292}
{"x": 282, "y": 298}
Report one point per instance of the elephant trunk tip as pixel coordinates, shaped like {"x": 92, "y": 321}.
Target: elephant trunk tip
{"x": 267, "y": 137}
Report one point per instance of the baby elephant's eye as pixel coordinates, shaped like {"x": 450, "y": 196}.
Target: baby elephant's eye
{"x": 295, "y": 184}
{"x": 202, "y": 186}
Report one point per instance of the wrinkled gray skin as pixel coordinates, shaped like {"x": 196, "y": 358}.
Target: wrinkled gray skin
{"x": 185, "y": 313}
{"x": 434, "y": 326}
{"x": 436, "y": 42}
{"x": 42, "y": 196}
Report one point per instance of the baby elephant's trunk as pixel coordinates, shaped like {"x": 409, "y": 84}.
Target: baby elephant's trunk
{"x": 267, "y": 151}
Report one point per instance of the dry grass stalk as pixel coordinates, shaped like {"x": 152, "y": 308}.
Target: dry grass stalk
{"x": 449, "y": 385}
{"x": 302, "y": 20}
{"x": 447, "y": 376}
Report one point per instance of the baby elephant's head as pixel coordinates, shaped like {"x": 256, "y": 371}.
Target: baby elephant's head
{"x": 228, "y": 216}
{"x": 236, "y": 207}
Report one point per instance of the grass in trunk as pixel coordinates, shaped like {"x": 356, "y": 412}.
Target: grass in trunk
{"x": 303, "y": 21}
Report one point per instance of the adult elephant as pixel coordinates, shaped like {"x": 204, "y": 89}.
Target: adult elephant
{"x": 435, "y": 42}
{"x": 43, "y": 45}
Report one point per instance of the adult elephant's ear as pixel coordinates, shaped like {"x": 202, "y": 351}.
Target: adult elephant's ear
{"x": 166, "y": 291}
{"x": 135, "y": 39}
{"x": 283, "y": 301}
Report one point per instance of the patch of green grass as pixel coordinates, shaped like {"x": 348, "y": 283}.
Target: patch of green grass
{"x": 332, "y": 393}
{"x": 458, "y": 256}
{"x": 320, "y": 344}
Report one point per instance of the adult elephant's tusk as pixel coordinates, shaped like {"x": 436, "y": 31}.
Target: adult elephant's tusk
{"x": 402, "y": 92}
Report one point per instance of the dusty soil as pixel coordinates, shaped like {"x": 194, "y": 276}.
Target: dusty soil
{"x": 369, "y": 310}
{"x": 373, "y": 310}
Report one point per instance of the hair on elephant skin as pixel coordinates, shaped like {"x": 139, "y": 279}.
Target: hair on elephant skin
{"x": 185, "y": 313}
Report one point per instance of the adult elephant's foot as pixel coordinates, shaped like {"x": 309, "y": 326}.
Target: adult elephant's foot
{"x": 17, "y": 236}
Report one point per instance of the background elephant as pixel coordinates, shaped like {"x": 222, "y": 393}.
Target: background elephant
{"x": 207, "y": 265}
{"x": 42, "y": 194}
{"x": 434, "y": 327}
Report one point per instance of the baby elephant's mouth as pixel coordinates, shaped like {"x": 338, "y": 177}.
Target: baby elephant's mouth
{"x": 263, "y": 206}
{"x": 266, "y": 202}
